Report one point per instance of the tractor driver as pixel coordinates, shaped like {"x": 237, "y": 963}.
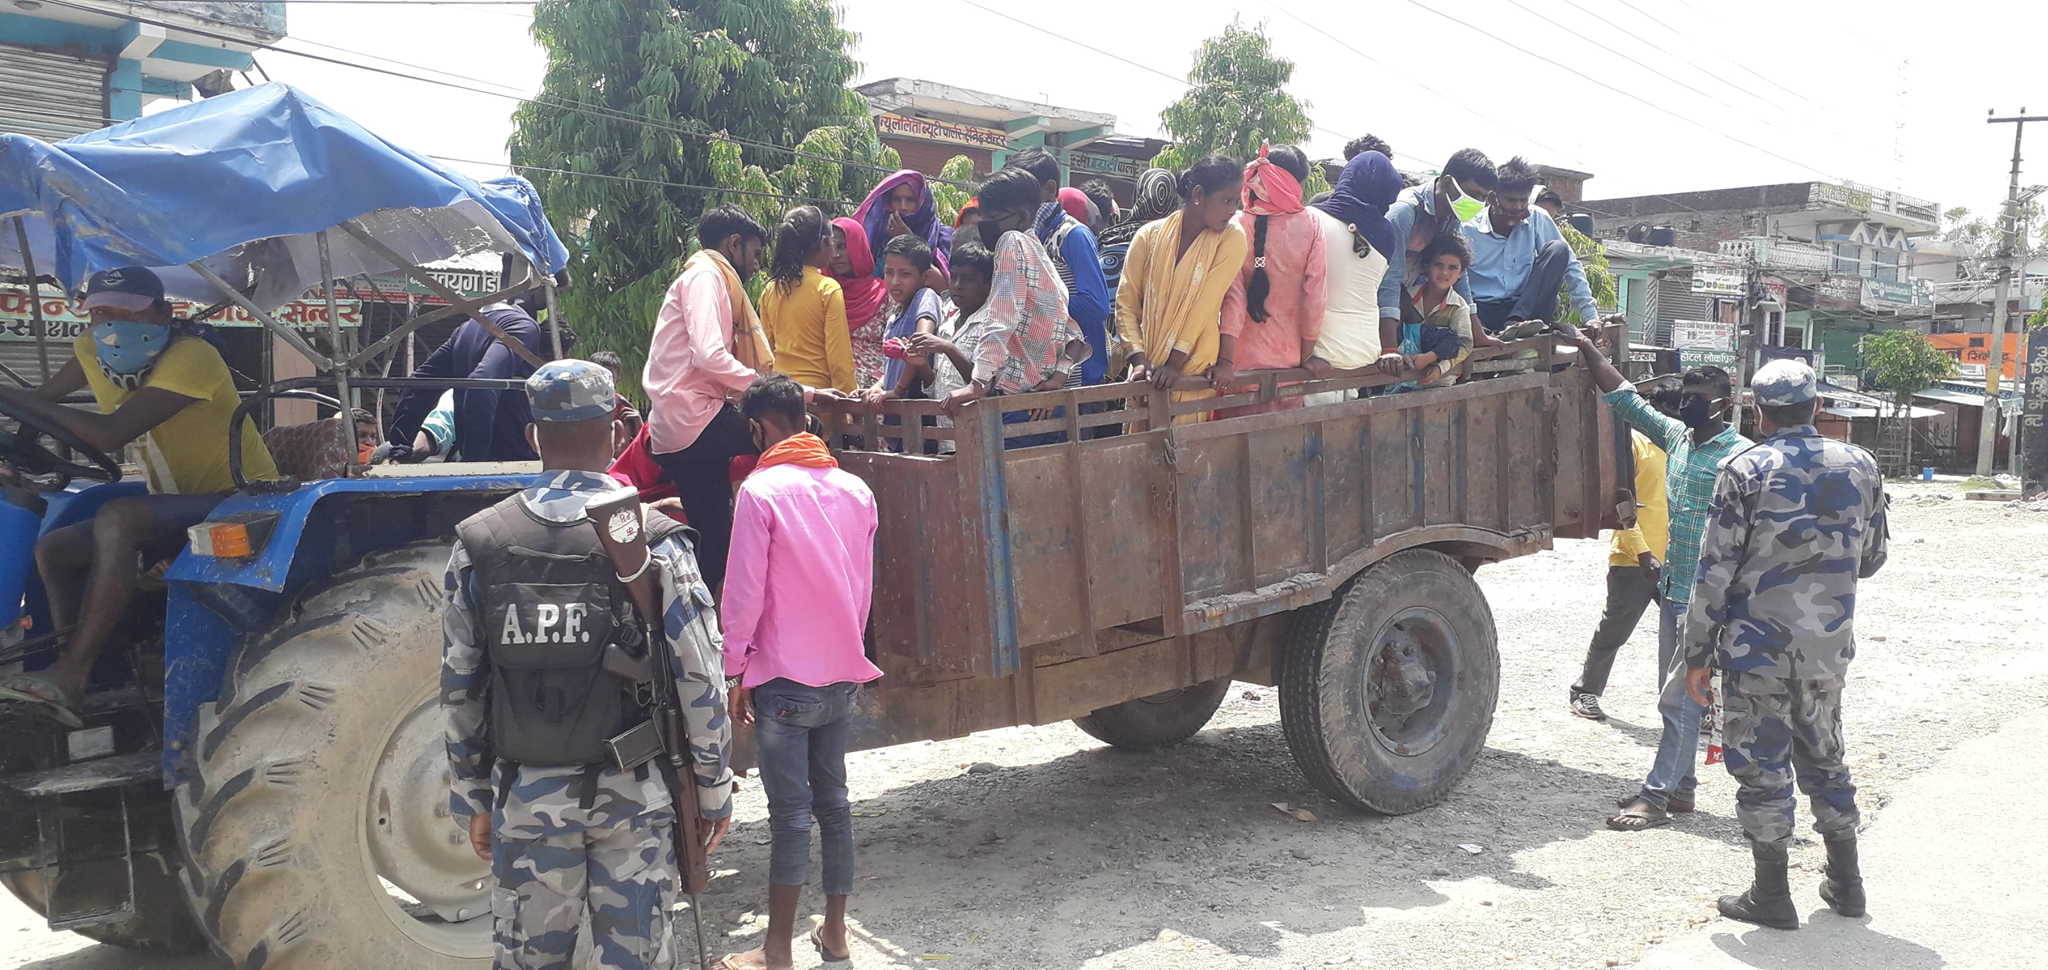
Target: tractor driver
{"x": 166, "y": 390}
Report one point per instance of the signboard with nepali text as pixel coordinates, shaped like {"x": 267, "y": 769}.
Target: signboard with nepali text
{"x": 941, "y": 131}
{"x": 2034, "y": 421}
{"x": 62, "y": 320}
{"x": 1704, "y": 342}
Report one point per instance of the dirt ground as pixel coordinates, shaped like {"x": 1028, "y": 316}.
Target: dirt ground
{"x": 1035, "y": 848}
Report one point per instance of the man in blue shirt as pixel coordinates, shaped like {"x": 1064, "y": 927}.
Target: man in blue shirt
{"x": 490, "y": 424}
{"x": 1519, "y": 259}
{"x": 1075, "y": 254}
{"x": 1460, "y": 192}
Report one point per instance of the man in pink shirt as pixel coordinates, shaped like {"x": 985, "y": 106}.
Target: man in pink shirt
{"x": 796, "y": 605}
{"x": 692, "y": 377}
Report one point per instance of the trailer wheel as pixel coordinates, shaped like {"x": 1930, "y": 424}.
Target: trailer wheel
{"x": 1159, "y": 721}
{"x": 1388, "y": 690}
{"x": 162, "y": 922}
{"x": 315, "y": 815}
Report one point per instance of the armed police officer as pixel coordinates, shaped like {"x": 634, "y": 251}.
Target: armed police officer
{"x": 533, "y": 700}
{"x": 1795, "y": 521}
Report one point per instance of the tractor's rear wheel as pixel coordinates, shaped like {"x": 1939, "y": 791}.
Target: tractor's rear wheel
{"x": 1158, "y": 721}
{"x": 315, "y": 815}
{"x": 1387, "y": 691}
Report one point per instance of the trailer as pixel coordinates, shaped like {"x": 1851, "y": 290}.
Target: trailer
{"x": 1123, "y": 580}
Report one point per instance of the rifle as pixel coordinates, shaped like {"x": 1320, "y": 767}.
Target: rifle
{"x": 622, "y": 529}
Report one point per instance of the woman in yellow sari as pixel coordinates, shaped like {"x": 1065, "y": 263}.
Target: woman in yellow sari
{"x": 1174, "y": 279}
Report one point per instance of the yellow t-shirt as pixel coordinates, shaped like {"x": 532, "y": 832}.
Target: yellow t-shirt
{"x": 188, "y": 454}
{"x": 807, "y": 328}
{"x": 1653, "y": 512}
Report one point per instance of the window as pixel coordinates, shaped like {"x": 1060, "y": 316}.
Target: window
{"x": 1849, "y": 259}
{"x": 1885, "y": 265}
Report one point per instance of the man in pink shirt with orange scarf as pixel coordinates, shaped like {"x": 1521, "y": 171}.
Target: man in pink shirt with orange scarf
{"x": 797, "y": 590}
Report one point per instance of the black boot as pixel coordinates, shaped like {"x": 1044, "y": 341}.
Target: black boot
{"x": 1769, "y": 899}
{"x": 1843, "y": 887}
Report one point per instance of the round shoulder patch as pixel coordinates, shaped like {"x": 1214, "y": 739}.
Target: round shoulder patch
{"x": 624, "y": 525}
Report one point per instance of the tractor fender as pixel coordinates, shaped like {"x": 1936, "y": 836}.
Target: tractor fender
{"x": 215, "y": 603}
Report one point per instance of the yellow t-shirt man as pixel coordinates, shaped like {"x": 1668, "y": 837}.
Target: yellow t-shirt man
{"x": 188, "y": 454}
{"x": 1653, "y": 511}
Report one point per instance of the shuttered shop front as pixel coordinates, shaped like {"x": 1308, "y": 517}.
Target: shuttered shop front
{"x": 50, "y": 95}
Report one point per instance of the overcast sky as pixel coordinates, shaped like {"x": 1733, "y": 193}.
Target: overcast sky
{"x": 1885, "y": 93}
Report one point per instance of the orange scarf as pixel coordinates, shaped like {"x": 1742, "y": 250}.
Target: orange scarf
{"x": 750, "y": 342}
{"x": 802, "y": 448}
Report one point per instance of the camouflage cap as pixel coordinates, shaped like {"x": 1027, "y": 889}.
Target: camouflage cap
{"x": 1783, "y": 382}
{"x": 570, "y": 390}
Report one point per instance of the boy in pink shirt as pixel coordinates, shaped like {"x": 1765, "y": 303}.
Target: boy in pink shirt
{"x": 797, "y": 590}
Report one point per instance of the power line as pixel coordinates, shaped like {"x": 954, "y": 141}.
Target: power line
{"x": 1627, "y": 94}
{"x": 1581, "y": 36}
{"x": 579, "y": 107}
{"x": 1373, "y": 60}
{"x": 642, "y": 181}
{"x": 1183, "y": 82}
{"x": 1676, "y": 32}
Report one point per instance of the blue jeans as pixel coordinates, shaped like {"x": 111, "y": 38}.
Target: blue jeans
{"x": 1033, "y": 440}
{"x": 1671, "y": 777}
{"x": 1537, "y": 299}
{"x": 800, "y": 735}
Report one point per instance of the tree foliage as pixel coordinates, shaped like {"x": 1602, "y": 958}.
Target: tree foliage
{"x": 664, "y": 95}
{"x": 955, "y": 188}
{"x": 1599, "y": 278}
{"x": 1239, "y": 99}
{"x": 1904, "y": 363}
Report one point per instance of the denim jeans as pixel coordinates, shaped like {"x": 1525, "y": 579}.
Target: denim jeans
{"x": 800, "y": 735}
{"x": 1537, "y": 299}
{"x": 1671, "y": 777}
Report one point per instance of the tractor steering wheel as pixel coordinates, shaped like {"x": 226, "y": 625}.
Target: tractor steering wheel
{"x": 24, "y": 449}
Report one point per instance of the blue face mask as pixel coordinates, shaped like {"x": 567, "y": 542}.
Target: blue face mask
{"x": 1696, "y": 412}
{"x": 126, "y": 349}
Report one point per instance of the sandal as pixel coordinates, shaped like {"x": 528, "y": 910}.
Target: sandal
{"x": 1674, "y": 806}
{"x": 40, "y": 696}
{"x": 818, "y": 941}
{"x": 1637, "y": 821}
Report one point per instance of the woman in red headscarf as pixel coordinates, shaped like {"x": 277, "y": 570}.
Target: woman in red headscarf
{"x": 867, "y": 298}
{"x": 1273, "y": 314}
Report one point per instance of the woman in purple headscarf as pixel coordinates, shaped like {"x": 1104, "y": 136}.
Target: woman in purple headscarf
{"x": 902, "y": 204}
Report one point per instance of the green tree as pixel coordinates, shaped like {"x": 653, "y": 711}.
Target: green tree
{"x": 1599, "y": 278}
{"x": 953, "y": 187}
{"x": 1238, "y": 100}
{"x": 1904, "y": 363}
{"x": 661, "y": 95}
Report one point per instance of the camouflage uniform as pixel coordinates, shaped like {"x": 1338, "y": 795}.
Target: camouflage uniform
{"x": 551, "y": 857}
{"x": 1795, "y": 521}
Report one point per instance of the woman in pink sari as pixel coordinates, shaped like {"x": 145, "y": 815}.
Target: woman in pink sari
{"x": 867, "y": 298}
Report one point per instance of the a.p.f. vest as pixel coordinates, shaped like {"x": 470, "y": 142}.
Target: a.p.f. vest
{"x": 545, "y": 593}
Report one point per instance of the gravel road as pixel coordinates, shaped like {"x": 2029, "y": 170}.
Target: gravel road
{"x": 1034, "y": 848}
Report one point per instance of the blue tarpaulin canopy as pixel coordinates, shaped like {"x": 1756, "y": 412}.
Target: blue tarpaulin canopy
{"x": 243, "y": 183}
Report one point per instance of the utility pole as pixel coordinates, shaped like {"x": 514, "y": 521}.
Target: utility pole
{"x": 1987, "y": 431}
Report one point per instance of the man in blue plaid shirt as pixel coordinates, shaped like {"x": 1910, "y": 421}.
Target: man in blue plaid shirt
{"x": 1696, "y": 444}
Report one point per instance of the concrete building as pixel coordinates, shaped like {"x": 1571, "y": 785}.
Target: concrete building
{"x": 1843, "y": 254}
{"x": 929, "y": 123}
{"x": 69, "y": 68}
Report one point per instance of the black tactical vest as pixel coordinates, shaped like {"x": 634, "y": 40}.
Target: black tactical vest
{"x": 545, "y": 595}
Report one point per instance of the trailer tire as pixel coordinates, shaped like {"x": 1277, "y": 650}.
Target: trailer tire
{"x": 1159, "y": 721}
{"x": 162, "y": 922}
{"x": 1387, "y": 691}
{"x": 317, "y": 785}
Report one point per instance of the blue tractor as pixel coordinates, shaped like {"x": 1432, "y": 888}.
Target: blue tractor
{"x": 260, "y": 767}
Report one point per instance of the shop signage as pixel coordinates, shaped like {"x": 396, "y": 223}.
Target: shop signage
{"x": 1113, "y": 165}
{"x": 941, "y": 131}
{"x": 2034, "y": 421}
{"x": 62, "y": 320}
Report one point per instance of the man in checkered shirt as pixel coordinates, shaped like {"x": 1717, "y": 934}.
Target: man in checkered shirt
{"x": 1696, "y": 443}
{"x": 1019, "y": 348}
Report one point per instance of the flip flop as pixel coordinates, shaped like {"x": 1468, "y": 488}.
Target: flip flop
{"x": 818, "y": 941}
{"x": 1637, "y": 822}
{"x": 41, "y": 696}
{"x": 1675, "y": 806}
